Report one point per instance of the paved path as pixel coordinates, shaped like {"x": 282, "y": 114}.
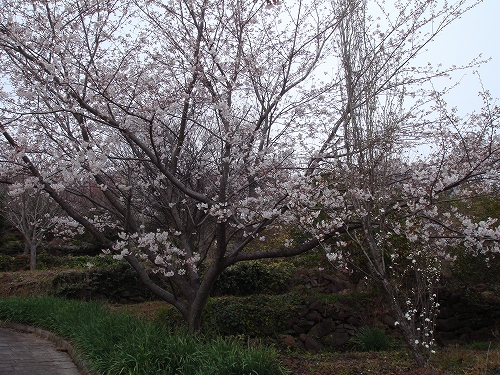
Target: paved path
{"x": 27, "y": 354}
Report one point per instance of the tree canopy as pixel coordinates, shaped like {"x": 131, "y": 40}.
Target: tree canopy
{"x": 179, "y": 132}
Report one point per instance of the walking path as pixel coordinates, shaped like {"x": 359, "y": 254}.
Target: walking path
{"x": 24, "y": 353}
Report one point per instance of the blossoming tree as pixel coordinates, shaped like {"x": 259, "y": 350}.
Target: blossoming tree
{"x": 192, "y": 128}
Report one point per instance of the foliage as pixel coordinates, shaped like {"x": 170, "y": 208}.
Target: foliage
{"x": 47, "y": 261}
{"x": 4, "y": 262}
{"x": 253, "y": 316}
{"x": 371, "y": 339}
{"x": 109, "y": 283}
{"x": 254, "y": 278}
{"x": 115, "y": 343}
{"x": 471, "y": 270}
{"x": 14, "y": 263}
{"x": 12, "y": 245}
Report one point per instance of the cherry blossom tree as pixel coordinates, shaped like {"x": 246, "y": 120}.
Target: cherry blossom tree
{"x": 32, "y": 212}
{"x": 187, "y": 130}
{"x": 401, "y": 208}
{"x": 174, "y": 121}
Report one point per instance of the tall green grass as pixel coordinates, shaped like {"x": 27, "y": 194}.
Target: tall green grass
{"x": 115, "y": 343}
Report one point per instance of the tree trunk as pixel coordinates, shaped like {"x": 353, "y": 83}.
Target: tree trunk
{"x": 33, "y": 256}
{"x": 202, "y": 293}
{"x": 194, "y": 318}
{"x": 404, "y": 325}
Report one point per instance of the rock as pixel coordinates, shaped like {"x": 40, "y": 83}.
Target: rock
{"x": 354, "y": 321}
{"x": 318, "y": 306}
{"x": 445, "y": 312}
{"x": 297, "y": 329}
{"x": 305, "y": 324}
{"x": 303, "y": 312}
{"x": 314, "y": 316}
{"x": 291, "y": 322}
{"x": 461, "y": 307}
{"x": 321, "y": 329}
{"x": 312, "y": 345}
{"x": 465, "y": 337}
{"x": 338, "y": 338}
{"x": 448, "y": 325}
{"x": 481, "y": 322}
{"x": 446, "y": 338}
{"x": 484, "y": 334}
{"x": 338, "y": 313}
{"x": 388, "y": 321}
{"x": 289, "y": 341}
{"x": 348, "y": 328}
{"x": 454, "y": 298}
{"x": 464, "y": 316}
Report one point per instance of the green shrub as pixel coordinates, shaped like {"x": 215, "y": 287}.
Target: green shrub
{"x": 255, "y": 316}
{"x": 111, "y": 283}
{"x": 371, "y": 339}
{"x": 20, "y": 263}
{"x": 48, "y": 261}
{"x": 248, "y": 278}
{"x": 5, "y": 263}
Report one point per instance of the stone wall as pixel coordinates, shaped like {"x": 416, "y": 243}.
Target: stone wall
{"x": 319, "y": 325}
{"x": 462, "y": 319}
{"x": 467, "y": 318}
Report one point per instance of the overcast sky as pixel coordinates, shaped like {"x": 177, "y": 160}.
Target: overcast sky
{"x": 477, "y": 32}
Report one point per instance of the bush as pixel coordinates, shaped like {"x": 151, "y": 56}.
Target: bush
{"x": 5, "y": 262}
{"x": 248, "y": 278}
{"x": 111, "y": 283}
{"x": 47, "y": 261}
{"x": 369, "y": 339}
{"x": 254, "y": 316}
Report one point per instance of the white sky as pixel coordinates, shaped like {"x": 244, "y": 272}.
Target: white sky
{"x": 477, "y": 32}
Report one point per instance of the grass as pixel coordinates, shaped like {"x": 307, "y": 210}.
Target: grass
{"x": 371, "y": 339}
{"x": 118, "y": 343}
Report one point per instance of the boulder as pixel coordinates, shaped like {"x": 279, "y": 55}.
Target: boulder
{"x": 312, "y": 345}
{"x": 318, "y": 306}
{"x": 289, "y": 341}
{"x": 314, "y": 316}
{"x": 321, "y": 329}
{"x": 338, "y": 339}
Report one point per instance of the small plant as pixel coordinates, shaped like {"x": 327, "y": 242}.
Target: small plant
{"x": 371, "y": 339}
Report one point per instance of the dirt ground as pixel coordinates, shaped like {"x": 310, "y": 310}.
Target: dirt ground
{"x": 26, "y": 283}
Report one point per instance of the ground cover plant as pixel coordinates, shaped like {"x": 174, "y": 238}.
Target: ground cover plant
{"x": 117, "y": 343}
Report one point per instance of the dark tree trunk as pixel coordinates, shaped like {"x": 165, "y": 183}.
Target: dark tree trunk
{"x": 33, "y": 249}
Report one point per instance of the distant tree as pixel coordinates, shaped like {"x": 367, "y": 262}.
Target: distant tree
{"x": 32, "y": 212}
